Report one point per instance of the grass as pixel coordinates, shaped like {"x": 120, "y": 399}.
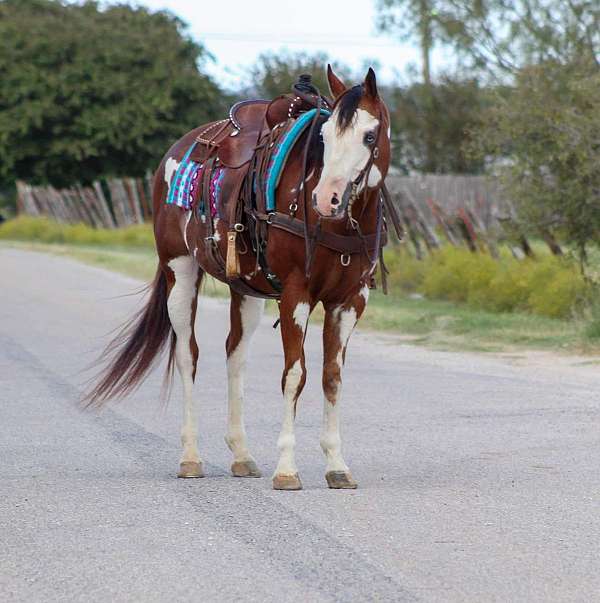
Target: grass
{"x": 437, "y": 324}
{"x": 445, "y": 325}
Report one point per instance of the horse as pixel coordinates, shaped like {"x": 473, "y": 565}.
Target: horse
{"x": 319, "y": 241}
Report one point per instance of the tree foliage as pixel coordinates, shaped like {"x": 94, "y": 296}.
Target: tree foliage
{"x": 506, "y": 35}
{"x": 86, "y": 91}
{"x": 494, "y": 37}
{"x": 274, "y": 74}
{"x": 451, "y": 109}
{"x": 548, "y": 132}
{"x": 427, "y": 22}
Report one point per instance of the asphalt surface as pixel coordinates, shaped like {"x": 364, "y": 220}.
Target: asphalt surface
{"x": 479, "y": 477}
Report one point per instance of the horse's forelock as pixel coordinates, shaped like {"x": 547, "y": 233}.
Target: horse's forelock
{"x": 354, "y": 98}
{"x": 347, "y": 106}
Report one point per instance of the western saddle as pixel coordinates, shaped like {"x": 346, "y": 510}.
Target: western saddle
{"x": 245, "y": 143}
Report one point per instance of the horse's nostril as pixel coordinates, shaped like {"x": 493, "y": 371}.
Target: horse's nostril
{"x": 335, "y": 200}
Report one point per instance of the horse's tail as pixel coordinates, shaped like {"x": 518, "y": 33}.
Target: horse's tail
{"x": 131, "y": 354}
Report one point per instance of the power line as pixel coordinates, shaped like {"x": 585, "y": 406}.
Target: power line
{"x": 321, "y": 39}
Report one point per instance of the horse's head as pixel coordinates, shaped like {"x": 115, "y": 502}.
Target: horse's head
{"x": 356, "y": 142}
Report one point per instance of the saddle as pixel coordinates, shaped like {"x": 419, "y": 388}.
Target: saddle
{"x": 253, "y": 144}
{"x": 235, "y": 142}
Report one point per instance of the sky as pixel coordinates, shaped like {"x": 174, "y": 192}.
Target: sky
{"x": 236, "y": 32}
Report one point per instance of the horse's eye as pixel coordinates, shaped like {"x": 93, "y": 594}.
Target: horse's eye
{"x": 369, "y": 138}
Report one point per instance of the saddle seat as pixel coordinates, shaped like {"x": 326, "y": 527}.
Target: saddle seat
{"x": 249, "y": 120}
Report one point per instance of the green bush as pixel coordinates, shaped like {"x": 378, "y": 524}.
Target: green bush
{"x": 548, "y": 286}
{"x": 406, "y": 272}
{"x": 556, "y": 288}
{"x": 44, "y": 230}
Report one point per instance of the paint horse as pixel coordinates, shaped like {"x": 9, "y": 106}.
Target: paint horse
{"x": 280, "y": 200}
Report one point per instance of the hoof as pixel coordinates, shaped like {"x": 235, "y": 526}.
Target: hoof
{"x": 340, "y": 480}
{"x": 190, "y": 469}
{"x": 287, "y": 482}
{"x": 245, "y": 469}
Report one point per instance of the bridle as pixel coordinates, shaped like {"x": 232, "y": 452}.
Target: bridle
{"x": 349, "y": 244}
{"x": 360, "y": 183}
{"x": 385, "y": 207}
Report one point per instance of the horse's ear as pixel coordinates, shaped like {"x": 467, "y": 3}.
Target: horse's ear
{"x": 336, "y": 85}
{"x": 370, "y": 84}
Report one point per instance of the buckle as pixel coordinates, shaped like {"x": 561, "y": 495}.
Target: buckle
{"x": 345, "y": 259}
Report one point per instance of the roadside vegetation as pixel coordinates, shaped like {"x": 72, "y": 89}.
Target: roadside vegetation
{"x": 451, "y": 299}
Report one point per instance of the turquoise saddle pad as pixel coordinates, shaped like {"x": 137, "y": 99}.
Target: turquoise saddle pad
{"x": 282, "y": 152}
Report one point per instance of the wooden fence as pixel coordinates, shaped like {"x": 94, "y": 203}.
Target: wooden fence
{"x": 460, "y": 210}
{"x": 111, "y": 203}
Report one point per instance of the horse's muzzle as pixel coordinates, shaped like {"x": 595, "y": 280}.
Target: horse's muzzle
{"x": 336, "y": 210}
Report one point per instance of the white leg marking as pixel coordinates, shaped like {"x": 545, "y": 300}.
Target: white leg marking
{"x": 301, "y": 312}
{"x": 251, "y": 311}
{"x": 180, "y": 312}
{"x": 347, "y": 322}
{"x": 331, "y": 442}
{"x": 287, "y": 440}
{"x": 170, "y": 168}
{"x": 364, "y": 293}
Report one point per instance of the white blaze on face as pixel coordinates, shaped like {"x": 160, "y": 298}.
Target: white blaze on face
{"x": 345, "y": 155}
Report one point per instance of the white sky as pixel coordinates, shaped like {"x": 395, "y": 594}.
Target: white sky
{"x": 237, "y": 31}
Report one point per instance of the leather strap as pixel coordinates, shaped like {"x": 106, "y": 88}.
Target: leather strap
{"x": 344, "y": 244}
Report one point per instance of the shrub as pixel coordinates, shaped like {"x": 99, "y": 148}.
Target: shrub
{"x": 550, "y": 286}
{"x": 556, "y": 288}
{"x": 406, "y": 272}
{"x": 458, "y": 275}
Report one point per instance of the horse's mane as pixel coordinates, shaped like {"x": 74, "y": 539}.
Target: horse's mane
{"x": 315, "y": 147}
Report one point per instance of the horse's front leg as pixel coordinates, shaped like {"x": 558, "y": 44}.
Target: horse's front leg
{"x": 245, "y": 314}
{"x": 340, "y": 320}
{"x": 294, "y": 311}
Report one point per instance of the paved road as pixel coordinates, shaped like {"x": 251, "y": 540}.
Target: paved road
{"x": 479, "y": 477}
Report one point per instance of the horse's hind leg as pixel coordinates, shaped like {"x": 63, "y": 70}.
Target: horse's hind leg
{"x": 182, "y": 303}
{"x": 245, "y": 314}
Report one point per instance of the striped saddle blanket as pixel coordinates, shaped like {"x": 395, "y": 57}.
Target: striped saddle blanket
{"x": 186, "y": 186}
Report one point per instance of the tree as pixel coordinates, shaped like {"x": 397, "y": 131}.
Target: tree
{"x": 274, "y": 74}
{"x": 411, "y": 20}
{"x": 429, "y": 22}
{"x": 502, "y": 36}
{"x": 86, "y": 92}
{"x": 451, "y": 108}
{"x": 546, "y": 134}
